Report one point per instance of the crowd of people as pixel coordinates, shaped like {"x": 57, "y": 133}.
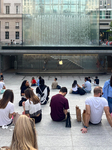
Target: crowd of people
{"x": 32, "y": 111}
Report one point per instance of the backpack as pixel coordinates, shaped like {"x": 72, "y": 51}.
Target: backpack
{"x": 43, "y": 96}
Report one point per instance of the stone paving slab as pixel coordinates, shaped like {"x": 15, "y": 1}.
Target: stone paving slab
{"x": 53, "y": 135}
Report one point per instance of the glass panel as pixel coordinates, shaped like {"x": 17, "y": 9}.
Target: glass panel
{"x": 61, "y": 22}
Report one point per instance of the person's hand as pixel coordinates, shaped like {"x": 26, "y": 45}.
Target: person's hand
{"x": 83, "y": 85}
{"x": 84, "y": 130}
{"x": 23, "y": 104}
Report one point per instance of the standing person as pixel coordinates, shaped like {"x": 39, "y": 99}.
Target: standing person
{"x": 59, "y": 105}
{"x": 107, "y": 92}
{"x": 6, "y": 108}
{"x": 38, "y": 81}
{"x": 43, "y": 92}
{"x": 94, "y": 109}
{"x": 11, "y": 42}
{"x": 32, "y": 106}
{"x": 2, "y": 87}
{"x": 87, "y": 85}
{"x": 33, "y": 82}
{"x": 96, "y": 81}
{"x": 24, "y": 135}
{"x": 55, "y": 84}
{"x": 24, "y": 86}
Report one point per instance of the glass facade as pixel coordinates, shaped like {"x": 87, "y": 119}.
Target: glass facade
{"x": 60, "y": 22}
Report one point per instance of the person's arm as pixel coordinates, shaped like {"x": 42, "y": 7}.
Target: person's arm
{"x": 4, "y": 87}
{"x": 65, "y": 111}
{"x": 108, "y": 115}
{"x": 87, "y": 118}
{"x": 10, "y": 115}
{"x": 78, "y": 85}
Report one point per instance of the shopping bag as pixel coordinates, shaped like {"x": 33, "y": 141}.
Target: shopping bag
{"x": 78, "y": 114}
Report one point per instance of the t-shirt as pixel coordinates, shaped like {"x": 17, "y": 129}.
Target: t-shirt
{"x": 2, "y": 84}
{"x": 58, "y": 103}
{"x": 97, "y": 105}
{"x": 33, "y": 81}
{"x": 89, "y": 80}
{"x": 97, "y": 81}
{"x": 32, "y": 109}
{"x": 87, "y": 86}
{"x": 42, "y": 89}
{"x": 4, "y": 114}
{"x": 24, "y": 88}
{"x": 54, "y": 85}
{"x": 75, "y": 88}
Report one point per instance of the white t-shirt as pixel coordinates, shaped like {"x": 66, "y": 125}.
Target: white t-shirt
{"x": 74, "y": 88}
{"x": 97, "y": 105}
{"x": 2, "y": 84}
{"x": 32, "y": 109}
{"x": 4, "y": 114}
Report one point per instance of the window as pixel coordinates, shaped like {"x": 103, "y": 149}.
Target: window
{"x": 17, "y": 35}
{"x": 17, "y": 9}
{"x": 6, "y": 35}
{"x": 7, "y": 9}
{"x": 17, "y": 25}
{"x": 101, "y": 3}
{"x": 6, "y": 25}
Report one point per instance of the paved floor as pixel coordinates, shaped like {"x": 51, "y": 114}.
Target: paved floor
{"x": 53, "y": 135}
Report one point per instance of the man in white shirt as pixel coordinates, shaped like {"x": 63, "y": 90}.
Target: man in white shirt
{"x": 87, "y": 85}
{"x": 94, "y": 109}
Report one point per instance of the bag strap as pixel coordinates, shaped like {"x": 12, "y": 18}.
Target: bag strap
{"x": 40, "y": 90}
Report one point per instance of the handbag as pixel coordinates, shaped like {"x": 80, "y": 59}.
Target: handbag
{"x": 81, "y": 91}
{"x": 78, "y": 114}
{"x": 4, "y": 148}
{"x": 15, "y": 118}
{"x": 68, "y": 121}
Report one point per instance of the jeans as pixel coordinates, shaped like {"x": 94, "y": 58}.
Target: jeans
{"x": 110, "y": 104}
{"x": 75, "y": 92}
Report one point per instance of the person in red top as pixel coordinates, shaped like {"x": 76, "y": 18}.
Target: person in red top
{"x": 33, "y": 82}
{"x": 59, "y": 105}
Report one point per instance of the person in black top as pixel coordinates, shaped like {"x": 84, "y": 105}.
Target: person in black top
{"x": 40, "y": 89}
{"x": 1, "y": 76}
{"x": 24, "y": 86}
{"x": 89, "y": 79}
{"x": 96, "y": 81}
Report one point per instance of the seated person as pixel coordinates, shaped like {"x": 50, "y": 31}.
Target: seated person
{"x": 2, "y": 87}
{"x": 32, "y": 106}
{"x": 7, "y": 108}
{"x": 1, "y": 76}
{"x": 94, "y": 109}
{"x": 87, "y": 85}
{"x": 24, "y": 86}
{"x": 33, "y": 82}
{"x": 59, "y": 105}
{"x": 96, "y": 81}
{"x": 74, "y": 89}
{"x": 89, "y": 79}
{"x": 43, "y": 92}
{"x": 24, "y": 138}
{"x": 55, "y": 84}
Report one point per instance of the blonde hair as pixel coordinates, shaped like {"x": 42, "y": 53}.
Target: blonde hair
{"x": 24, "y": 135}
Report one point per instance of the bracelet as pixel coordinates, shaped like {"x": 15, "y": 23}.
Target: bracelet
{"x": 85, "y": 127}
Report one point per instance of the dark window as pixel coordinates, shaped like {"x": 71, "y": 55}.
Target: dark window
{"x": 17, "y": 35}
{"x": 6, "y": 35}
{"x": 7, "y": 10}
{"x": 104, "y": 23}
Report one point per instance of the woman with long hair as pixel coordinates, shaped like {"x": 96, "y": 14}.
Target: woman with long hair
{"x": 75, "y": 87}
{"x": 32, "y": 106}
{"x": 24, "y": 135}
{"x": 6, "y": 108}
{"x": 107, "y": 92}
{"x": 25, "y": 85}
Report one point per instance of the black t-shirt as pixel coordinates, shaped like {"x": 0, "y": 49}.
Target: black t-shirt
{"x": 89, "y": 80}
{"x": 97, "y": 81}
{"x": 23, "y": 89}
{"x": 42, "y": 89}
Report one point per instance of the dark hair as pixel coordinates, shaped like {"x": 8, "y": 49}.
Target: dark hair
{"x": 63, "y": 90}
{"x": 97, "y": 90}
{"x": 74, "y": 83}
{"x": 7, "y": 96}
{"x": 23, "y": 84}
{"x": 86, "y": 78}
{"x": 96, "y": 77}
{"x": 111, "y": 81}
{"x": 42, "y": 82}
{"x": 56, "y": 79}
{"x": 33, "y": 78}
{"x": 40, "y": 77}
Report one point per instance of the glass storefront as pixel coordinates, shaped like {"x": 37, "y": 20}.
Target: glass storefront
{"x": 60, "y": 22}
